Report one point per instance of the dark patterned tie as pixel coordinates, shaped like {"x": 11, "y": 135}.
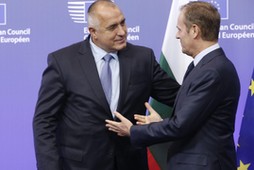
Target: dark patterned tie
{"x": 106, "y": 79}
{"x": 190, "y": 67}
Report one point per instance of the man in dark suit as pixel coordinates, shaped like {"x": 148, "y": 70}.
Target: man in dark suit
{"x": 69, "y": 121}
{"x": 201, "y": 128}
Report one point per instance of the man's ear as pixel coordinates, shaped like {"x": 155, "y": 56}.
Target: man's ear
{"x": 92, "y": 32}
{"x": 195, "y": 31}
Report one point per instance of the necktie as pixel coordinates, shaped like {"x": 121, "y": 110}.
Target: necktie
{"x": 106, "y": 77}
{"x": 190, "y": 67}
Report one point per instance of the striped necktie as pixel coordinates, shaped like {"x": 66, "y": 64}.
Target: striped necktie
{"x": 106, "y": 77}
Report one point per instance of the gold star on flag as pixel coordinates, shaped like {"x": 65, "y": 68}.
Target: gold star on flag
{"x": 243, "y": 166}
{"x": 251, "y": 87}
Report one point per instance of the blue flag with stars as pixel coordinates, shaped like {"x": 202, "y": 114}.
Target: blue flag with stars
{"x": 221, "y": 5}
{"x": 2, "y": 14}
{"x": 245, "y": 149}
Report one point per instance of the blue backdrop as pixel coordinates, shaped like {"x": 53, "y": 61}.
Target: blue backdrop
{"x": 30, "y": 29}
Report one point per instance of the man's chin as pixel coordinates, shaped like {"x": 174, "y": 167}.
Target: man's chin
{"x": 122, "y": 46}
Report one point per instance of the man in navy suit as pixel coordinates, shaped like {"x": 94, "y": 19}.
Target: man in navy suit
{"x": 201, "y": 127}
{"x": 69, "y": 121}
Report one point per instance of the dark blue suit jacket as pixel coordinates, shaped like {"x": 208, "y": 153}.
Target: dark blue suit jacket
{"x": 202, "y": 125}
{"x": 69, "y": 121}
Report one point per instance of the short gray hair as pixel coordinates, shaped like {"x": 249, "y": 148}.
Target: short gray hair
{"x": 92, "y": 17}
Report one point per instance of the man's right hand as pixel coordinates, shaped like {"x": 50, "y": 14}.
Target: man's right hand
{"x": 152, "y": 117}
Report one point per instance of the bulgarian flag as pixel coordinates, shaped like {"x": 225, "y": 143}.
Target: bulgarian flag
{"x": 175, "y": 63}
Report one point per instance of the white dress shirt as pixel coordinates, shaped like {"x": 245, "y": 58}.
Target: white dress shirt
{"x": 98, "y": 54}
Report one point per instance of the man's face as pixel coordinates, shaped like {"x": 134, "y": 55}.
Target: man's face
{"x": 184, "y": 36}
{"x": 111, "y": 34}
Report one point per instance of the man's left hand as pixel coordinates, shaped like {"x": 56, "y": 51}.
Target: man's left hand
{"x": 121, "y": 128}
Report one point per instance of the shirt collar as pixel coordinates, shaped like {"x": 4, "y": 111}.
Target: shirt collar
{"x": 99, "y": 53}
{"x": 205, "y": 52}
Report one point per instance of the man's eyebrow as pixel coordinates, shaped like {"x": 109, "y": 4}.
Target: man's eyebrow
{"x": 115, "y": 24}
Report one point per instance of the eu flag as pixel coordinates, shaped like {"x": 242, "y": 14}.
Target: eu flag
{"x": 221, "y": 5}
{"x": 245, "y": 149}
{"x": 2, "y": 14}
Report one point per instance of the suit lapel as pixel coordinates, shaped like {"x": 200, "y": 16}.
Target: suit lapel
{"x": 88, "y": 65}
{"x": 125, "y": 71}
{"x": 207, "y": 58}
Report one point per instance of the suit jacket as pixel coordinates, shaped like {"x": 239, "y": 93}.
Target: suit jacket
{"x": 202, "y": 126}
{"x": 69, "y": 121}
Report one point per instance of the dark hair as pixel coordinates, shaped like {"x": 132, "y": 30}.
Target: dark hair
{"x": 205, "y": 16}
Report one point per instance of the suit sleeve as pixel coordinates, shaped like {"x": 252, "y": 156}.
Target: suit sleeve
{"x": 50, "y": 101}
{"x": 200, "y": 101}
{"x": 164, "y": 87}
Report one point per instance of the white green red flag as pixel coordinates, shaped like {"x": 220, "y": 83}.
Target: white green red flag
{"x": 175, "y": 63}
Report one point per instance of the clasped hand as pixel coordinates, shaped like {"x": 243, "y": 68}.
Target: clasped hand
{"x": 123, "y": 127}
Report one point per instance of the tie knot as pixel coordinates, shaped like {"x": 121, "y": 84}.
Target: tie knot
{"x": 108, "y": 57}
{"x": 191, "y": 66}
